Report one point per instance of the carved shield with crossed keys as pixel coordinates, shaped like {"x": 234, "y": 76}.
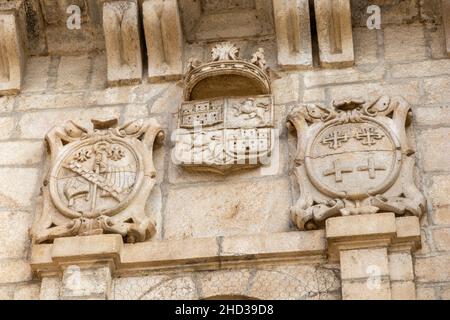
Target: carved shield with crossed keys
{"x": 99, "y": 181}
{"x": 354, "y": 158}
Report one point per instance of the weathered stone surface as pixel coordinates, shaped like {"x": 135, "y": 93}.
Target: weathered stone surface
{"x": 438, "y": 193}
{"x": 366, "y": 46}
{"x": 123, "y": 41}
{"x": 86, "y": 283}
{"x": 404, "y": 43}
{"x": 431, "y": 142}
{"x": 334, "y": 31}
{"x": 441, "y": 239}
{"x": 19, "y": 191}
{"x": 73, "y": 73}
{"x": 223, "y": 209}
{"x": 432, "y": 116}
{"x": 12, "y": 271}
{"x": 164, "y": 39}
{"x": 359, "y": 290}
{"x": 428, "y": 68}
{"x": 27, "y": 292}
{"x": 434, "y": 90}
{"x": 14, "y": 236}
{"x": 446, "y": 23}
{"x": 21, "y": 153}
{"x": 7, "y": 125}
{"x": 36, "y": 76}
{"x": 361, "y": 264}
{"x": 292, "y": 24}
{"x": 403, "y": 290}
{"x": 12, "y": 54}
{"x": 432, "y": 269}
{"x": 400, "y": 266}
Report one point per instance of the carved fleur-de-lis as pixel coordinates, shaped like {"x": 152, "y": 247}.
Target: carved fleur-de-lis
{"x": 224, "y": 51}
{"x": 83, "y": 155}
{"x": 116, "y": 153}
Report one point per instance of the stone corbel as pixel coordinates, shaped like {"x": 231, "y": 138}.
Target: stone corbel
{"x": 446, "y": 23}
{"x": 334, "y": 31}
{"x": 122, "y": 41}
{"x": 12, "y": 48}
{"x": 374, "y": 252}
{"x": 292, "y": 24}
{"x": 164, "y": 39}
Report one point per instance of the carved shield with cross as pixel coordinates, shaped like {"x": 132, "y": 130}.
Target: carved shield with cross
{"x": 354, "y": 158}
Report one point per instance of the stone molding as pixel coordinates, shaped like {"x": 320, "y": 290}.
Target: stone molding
{"x": 12, "y": 48}
{"x": 177, "y": 255}
{"x": 446, "y": 23}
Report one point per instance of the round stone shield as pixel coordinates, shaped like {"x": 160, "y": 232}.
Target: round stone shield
{"x": 353, "y": 160}
{"x": 97, "y": 176}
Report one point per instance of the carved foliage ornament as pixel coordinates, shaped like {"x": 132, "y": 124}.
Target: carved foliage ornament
{"x": 354, "y": 158}
{"x": 99, "y": 181}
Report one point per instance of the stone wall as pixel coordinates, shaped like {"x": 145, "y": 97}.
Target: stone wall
{"x": 406, "y": 57}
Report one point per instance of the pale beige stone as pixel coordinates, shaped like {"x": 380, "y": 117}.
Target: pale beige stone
{"x": 86, "y": 283}
{"x": 423, "y": 293}
{"x": 178, "y": 288}
{"x": 21, "y": 153}
{"x": 286, "y": 88}
{"x": 292, "y": 24}
{"x": 227, "y": 209}
{"x": 446, "y": 23}
{"x": 438, "y": 43}
{"x": 434, "y": 89}
{"x": 36, "y": 77}
{"x": 35, "y": 125}
{"x": 12, "y": 54}
{"x": 164, "y": 39}
{"x": 133, "y": 288}
{"x": 432, "y": 116}
{"x": 99, "y": 72}
{"x": 50, "y": 288}
{"x": 314, "y": 95}
{"x": 7, "y": 103}
{"x": 441, "y": 239}
{"x": 17, "y": 187}
{"x": 365, "y": 290}
{"x": 432, "y": 142}
{"x": 401, "y": 266}
{"x": 50, "y": 101}
{"x": 403, "y": 290}
{"x": 342, "y": 76}
{"x": 364, "y": 263}
{"x": 14, "y": 236}
{"x": 405, "y": 42}
{"x": 73, "y": 72}
{"x": 334, "y": 31}
{"x": 123, "y": 41}
{"x": 7, "y": 126}
{"x": 224, "y": 283}
{"x": 366, "y": 46}
{"x": 438, "y": 193}
{"x": 27, "y": 292}
{"x": 428, "y": 68}
{"x": 432, "y": 269}
{"x": 12, "y": 271}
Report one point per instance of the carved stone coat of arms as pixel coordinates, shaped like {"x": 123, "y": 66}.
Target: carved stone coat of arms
{"x": 354, "y": 158}
{"x": 99, "y": 181}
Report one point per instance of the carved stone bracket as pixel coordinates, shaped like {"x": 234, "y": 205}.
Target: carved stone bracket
{"x": 12, "y": 48}
{"x": 123, "y": 41}
{"x": 354, "y": 158}
{"x": 164, "y": 39}
{"x": 446, "y": 22}
{"x": 292, "y": 24}
{"x": 99, "y": 181}
{"x": 334, "y": 31}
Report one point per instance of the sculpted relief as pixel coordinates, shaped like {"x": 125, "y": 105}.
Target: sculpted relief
{"x": 354, "y": 158}
{"x": 99, "y": 181}
{"x": 227, "y": 120}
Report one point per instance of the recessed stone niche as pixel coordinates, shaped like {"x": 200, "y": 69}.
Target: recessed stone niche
{"x": 226, "y": 19}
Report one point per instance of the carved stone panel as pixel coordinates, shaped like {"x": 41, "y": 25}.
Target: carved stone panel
{"x": 99, "y": 181}
{"x": 12, "y": 55}
{"x": 334, "y": 31}
{"x": 225, "y": 134}
{"x": 123, "y": 41}
{"x": 446, "y": 23}
{"x": 164, "y": 39}
{"x": 292, "y": 24}
{"x": 354, "y": 158}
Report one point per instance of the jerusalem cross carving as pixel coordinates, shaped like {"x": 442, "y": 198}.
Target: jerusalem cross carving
{"x": 99, "y": 181}
{"x": 354, "y": 158}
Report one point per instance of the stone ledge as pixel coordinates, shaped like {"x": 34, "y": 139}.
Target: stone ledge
{"x": 372, "y": 231}
{"x": 179, "y": 255}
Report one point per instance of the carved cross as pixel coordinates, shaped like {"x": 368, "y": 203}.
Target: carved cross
{"x": 372, "y": 168}
{"x": 335, "y": 139}
{"x": 369, "y": 136}
{"x": 337, "y": 170}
